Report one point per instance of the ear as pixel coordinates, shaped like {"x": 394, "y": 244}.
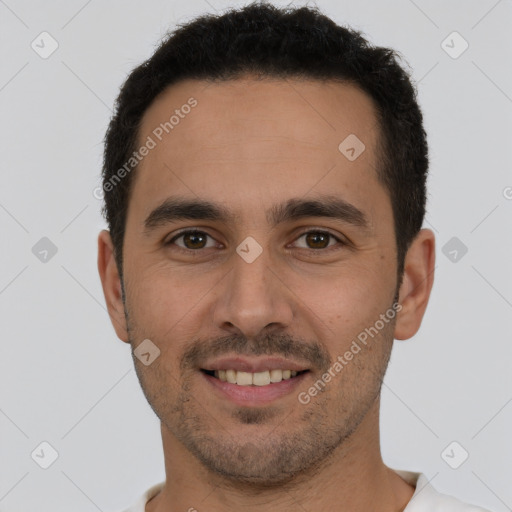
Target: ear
{"x": 416, "y": 286}
{"x": 111, "y": 283}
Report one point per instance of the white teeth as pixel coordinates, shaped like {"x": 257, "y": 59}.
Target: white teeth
{"x": 276, "y": 375}
{"x": 243, "y": 378}
{"x": 255, "y": 379}
{"x": 261, "y": 378}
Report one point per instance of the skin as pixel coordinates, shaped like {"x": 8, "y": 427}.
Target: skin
{"x": 248, "y": 145}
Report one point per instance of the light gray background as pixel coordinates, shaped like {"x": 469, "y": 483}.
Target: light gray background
{"x": 66, "y": 378}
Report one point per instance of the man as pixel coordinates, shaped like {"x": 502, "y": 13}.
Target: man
{"x": 264, "y": 181}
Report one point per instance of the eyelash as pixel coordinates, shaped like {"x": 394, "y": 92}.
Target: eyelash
{"x": 309, "y": 231}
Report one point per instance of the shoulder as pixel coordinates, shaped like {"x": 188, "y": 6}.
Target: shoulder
{"x": 140, "y": 504}
{"x": 427, "y": 499}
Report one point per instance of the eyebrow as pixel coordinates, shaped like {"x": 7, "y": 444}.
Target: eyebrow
{"x": 334, "y": 207}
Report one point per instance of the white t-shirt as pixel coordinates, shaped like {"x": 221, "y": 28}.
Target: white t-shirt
{"x": 424, "y": 499}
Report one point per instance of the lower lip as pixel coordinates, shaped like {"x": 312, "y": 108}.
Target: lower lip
{"x": 255, "y": 395}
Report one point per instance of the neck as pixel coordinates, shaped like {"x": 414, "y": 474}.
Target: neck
{"x": 353, "y": 479}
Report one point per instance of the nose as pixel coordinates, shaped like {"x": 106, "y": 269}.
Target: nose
{"x": 252, "y": 298}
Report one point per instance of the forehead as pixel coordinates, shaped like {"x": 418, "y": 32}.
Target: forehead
{"x": 257, "y": 138}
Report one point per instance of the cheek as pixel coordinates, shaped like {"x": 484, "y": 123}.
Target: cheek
{"x": 347, "y": 302}
{"x": 156, "y": 288}
{"x": 164, "y": 303}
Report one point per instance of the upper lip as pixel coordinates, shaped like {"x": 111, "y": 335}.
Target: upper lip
{"x": 251, "y": 365}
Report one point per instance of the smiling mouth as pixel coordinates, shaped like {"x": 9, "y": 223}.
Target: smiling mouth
{"x": 264, "y": 378}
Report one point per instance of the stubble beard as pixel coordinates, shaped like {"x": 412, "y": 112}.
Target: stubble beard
{"x": 294, "y": 449}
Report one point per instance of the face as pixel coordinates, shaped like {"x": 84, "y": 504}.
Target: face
{"x": 256, "y": 251}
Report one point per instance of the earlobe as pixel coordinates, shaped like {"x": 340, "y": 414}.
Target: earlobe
{"x": 111, "y": 283}
{"x": 416, "y": 284}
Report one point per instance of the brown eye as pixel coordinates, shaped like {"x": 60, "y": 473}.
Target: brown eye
{"x": 192, "y": 240}
{"x": 317, "y": 240}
